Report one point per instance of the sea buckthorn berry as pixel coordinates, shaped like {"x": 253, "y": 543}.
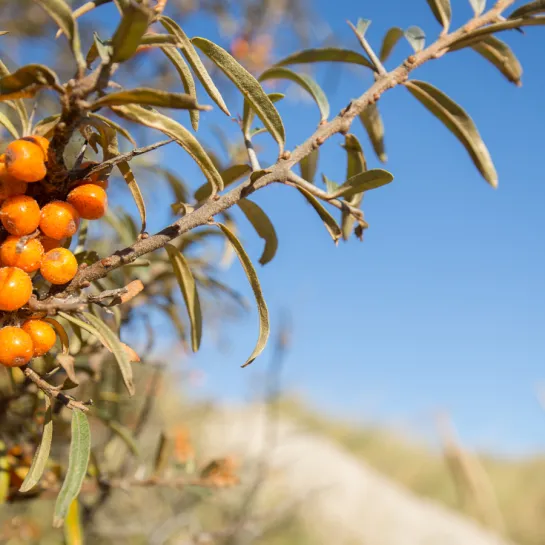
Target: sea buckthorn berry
{"x": 27, "y": 257}
{"x": 16, "y": 347}
{"x": 42, "y": 334}
{"x": 90, "y": 201}
{"x": 15, "y": 288}
{"x": 59, "y": 220}
{"x": 9, "y": 185}
{"x": 39, "y": 141}
{"x": 25, "y": 160}
{"x": 49, "y": 243}
{"x": 59, "y": 266}
{"x": 98, "y": 178}
{"x": 20, "y": 215}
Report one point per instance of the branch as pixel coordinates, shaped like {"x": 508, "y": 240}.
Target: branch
{"x": 280, "y": 171}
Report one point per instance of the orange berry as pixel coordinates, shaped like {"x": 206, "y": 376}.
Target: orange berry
{"x": 49, "y": 243}
{"x": 59, "y": 266}
{"x": 39, "y": 141}
{"x": 42, "y": 334}
{"x": 25, "y": 160}
{"x": 59, "y": 220}
{"x": 28, "y": 258}
{"x": 15, "y": 288}
{"x": 98, "y": 178}
{"x": 20, "y": 215}
{"x": 90, "y": 201}
{"x": 15, "y": 347}
{"x": 9, "y": 185}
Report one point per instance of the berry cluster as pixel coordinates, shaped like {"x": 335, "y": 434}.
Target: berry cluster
{"x": 38, "y": 222}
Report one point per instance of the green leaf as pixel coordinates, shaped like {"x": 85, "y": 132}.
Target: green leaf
{"x": 325, "y": 54}
{"x": 150, "y": 97}
{"x": 390, "y": 41}
{"x": 248, "y": 114}
{"x": 305, "y": 82}
{"x": 73, "y": 532}
{"x": 365, "y": 181}
{"x": 194, "y": 61}
{"x": 458, "y": 122}
{"x": 26, "y": 81}
{"x": 372, "y": 121}
{"x": 131, "y": 182}
{"x": 263, "y": 226}
{"x": 187, "y": 80}
{"x": 5, "y": 121}
{"x": 330, "y": 185}
{"x": 501, "y": 56}
{"x": 247, "y": 85}
{"x": 42, "y": 452}
{"x": 442, "y": 11}
{"x": 329, "y": 221}
{"x": 416, "y": 37}
{"x": 363, "y": 25}
{"x": 189, "y": 291}
{"x": 229, "y": 176}
{"x": 60, "y": 12}
{"x": 128, "y": 35}
{"x": 264, "y": 325}
{"x": 527, "y": 10}
{"x": 112, "y": 124}
{"x": 18, "y": 104}
{"x": 179, "y": 133}
{"x": 478, "y": 6}
{"x": 80, "y": 450}
{"x": 309, "y": 165}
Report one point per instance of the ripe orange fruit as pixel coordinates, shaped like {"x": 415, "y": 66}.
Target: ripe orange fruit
{"x": 49, "y": 243}
{"x": 90, "y": 201}
{"x": 25, "y": 159}
{"x": 40, "y": 141}
{"x": 42, "y": 334}
{"x": 59, "y": 266}
{"x": 15, "y": 288}
{"x": 20, "y": 215}
{"x": 9, "y": 185}
{"x": 28, "y": 258}
{"x": 59, "y": 220}
{"x": 98, "y": 178}
{"x": 15, "y": 347}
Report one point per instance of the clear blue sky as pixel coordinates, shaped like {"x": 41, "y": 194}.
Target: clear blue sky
{"x": 443, "y": 306}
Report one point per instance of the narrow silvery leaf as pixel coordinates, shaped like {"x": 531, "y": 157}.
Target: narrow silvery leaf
{"x": 114, "y": 345}
{"x": 150, "y": 97}
{"x": 416, "y": 37}
{"x": 442, "y": 11}
{"x": 365, "y": 181}
{"x": 326, "y": 54}
{"x": 61, "y": 333}
{"x": 122, "y": 131}
{"x": 330, "y": 185}
{"x": 309, "y": 165}
{"x": 248, "y": 86}
{"x": 27, "y": 81}
{"x": 229, "y": 176}
{"x": 42, "y": 452}
{"x": 363, "y": 25}
{"x": 264, "y": 324}
{"x": 187, "y": 80}
{"x": 179, "y": 133}
{"x": 248, "y": 114}
{"x": 527, "y": 10}
{"x": 132, "y": 184}
{"x": 372, "y": 121}
{"x": 263, "y": 227}
{"x": 390, "y": 40}
{"x": 6, "y": 122}
{"x": 305, "y": 82}
{"x": 78, "y": 460}
{"x": 189, "y": 291}
{"x": 128, "y": 35}
{"x": 459, "y": 123}
{"x": 329, "y": 221}
{"x": 59, "y": 11}
{"x": 501, "y": 56}
{"x": 194, "y": 61}
{"x": 19, "y": 104}
{"x": 478, "y": 6}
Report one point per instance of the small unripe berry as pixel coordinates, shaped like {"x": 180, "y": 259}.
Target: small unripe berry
{"x": 20, "y": 215}
{"x": 42, "y": 334}
{"x": 15, "y": 347}
{"x": 59, "y": 266}
{"x": 90, "y": 201}
{"x": 59, "y": 220}
{"x": 26, "y": 256}
{"x": 15, "y": 288}
{"x": 25, "y": 159}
